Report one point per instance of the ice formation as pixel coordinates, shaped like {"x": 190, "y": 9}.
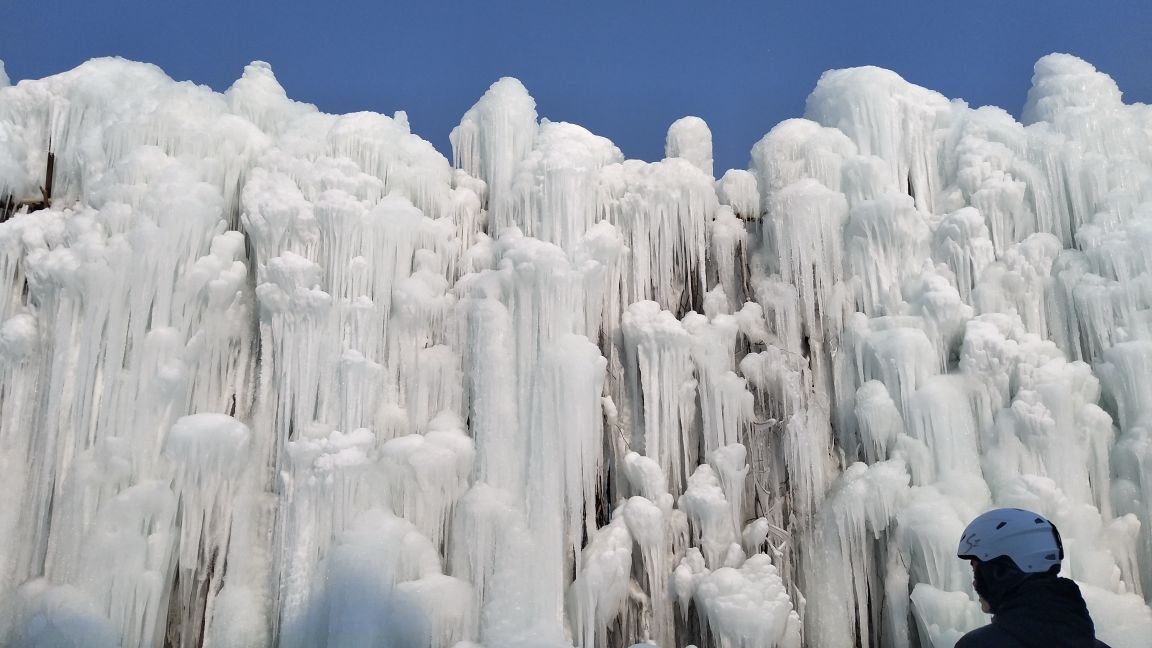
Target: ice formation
{"x": 270, "y": 376}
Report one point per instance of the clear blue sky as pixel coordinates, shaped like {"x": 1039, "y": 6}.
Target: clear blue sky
{"x": 624, "y": 69}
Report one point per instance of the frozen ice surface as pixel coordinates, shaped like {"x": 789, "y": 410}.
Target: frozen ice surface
{"x": 270, "y": 376}
{"x": 691, "y": 139}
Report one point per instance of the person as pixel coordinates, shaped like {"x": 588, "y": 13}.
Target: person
{"x": 1015, "y": 557}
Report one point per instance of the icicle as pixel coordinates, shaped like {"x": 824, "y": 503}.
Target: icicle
{"x": 600, "y": 586}
{"x": 885, "y": 240}
{"x": 209, "y": 453}
{"x": 860, "y": 508}
{"x": 324, "y": 474}
{"x": 709, "y": 513}
{"x": 880, "y": 422}
{"x": 728, "y": 245}
{"x": 897, "y": 352}
{"x": 889, "y": 118}
{"x": 61, "y": 616}
{"x": 662, "y": 211}
{"x": 691, "y": 139}
{"x": 796, "y": 149}
{"x": 731, "y": 470}
{"x": 737, "y": 189}
{"x": 807, "y": 222}
{"x": 554, "y": 191}
{"x": 649, "y": 526}
{"x": 748, "y": 606}
{"x": 427, "y": 473}
{"x": 494, "y": 135}
{"x": 658, "y": 359}
{"x": 382, "y": 570}
{"x": 566, "y": 435}
{"x": 1019, "y": 282}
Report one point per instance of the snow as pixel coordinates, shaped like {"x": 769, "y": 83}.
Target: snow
{"x": 270, "y": 376}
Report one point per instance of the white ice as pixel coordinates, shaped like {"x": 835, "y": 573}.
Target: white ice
{"x": 271, "y": 376}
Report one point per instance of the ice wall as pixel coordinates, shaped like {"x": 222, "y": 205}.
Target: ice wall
{"x": 270, "y": 376}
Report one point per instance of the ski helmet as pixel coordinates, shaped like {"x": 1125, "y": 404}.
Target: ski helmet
{"x": 1027, "y": 539}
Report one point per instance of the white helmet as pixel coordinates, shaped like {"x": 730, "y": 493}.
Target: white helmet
{"x": 1029, "y": 540}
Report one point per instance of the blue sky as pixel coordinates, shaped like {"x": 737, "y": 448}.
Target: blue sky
{"x": 624, "y": 69}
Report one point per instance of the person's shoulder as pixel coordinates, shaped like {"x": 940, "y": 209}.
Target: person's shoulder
{"x": 988, "y": 636}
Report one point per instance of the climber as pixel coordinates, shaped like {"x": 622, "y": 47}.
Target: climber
{"x": 1015, "y": 556}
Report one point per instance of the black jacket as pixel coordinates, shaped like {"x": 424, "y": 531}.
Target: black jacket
{"x": 1041, "y": 613}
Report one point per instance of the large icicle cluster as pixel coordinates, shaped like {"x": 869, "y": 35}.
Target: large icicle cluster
{"x": 270, "y": 376}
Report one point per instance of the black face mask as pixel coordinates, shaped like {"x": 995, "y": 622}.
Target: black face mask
{"x": 998, "y": 579}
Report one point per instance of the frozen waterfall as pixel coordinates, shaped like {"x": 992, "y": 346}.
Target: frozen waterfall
{"x": 274, "y": 377}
